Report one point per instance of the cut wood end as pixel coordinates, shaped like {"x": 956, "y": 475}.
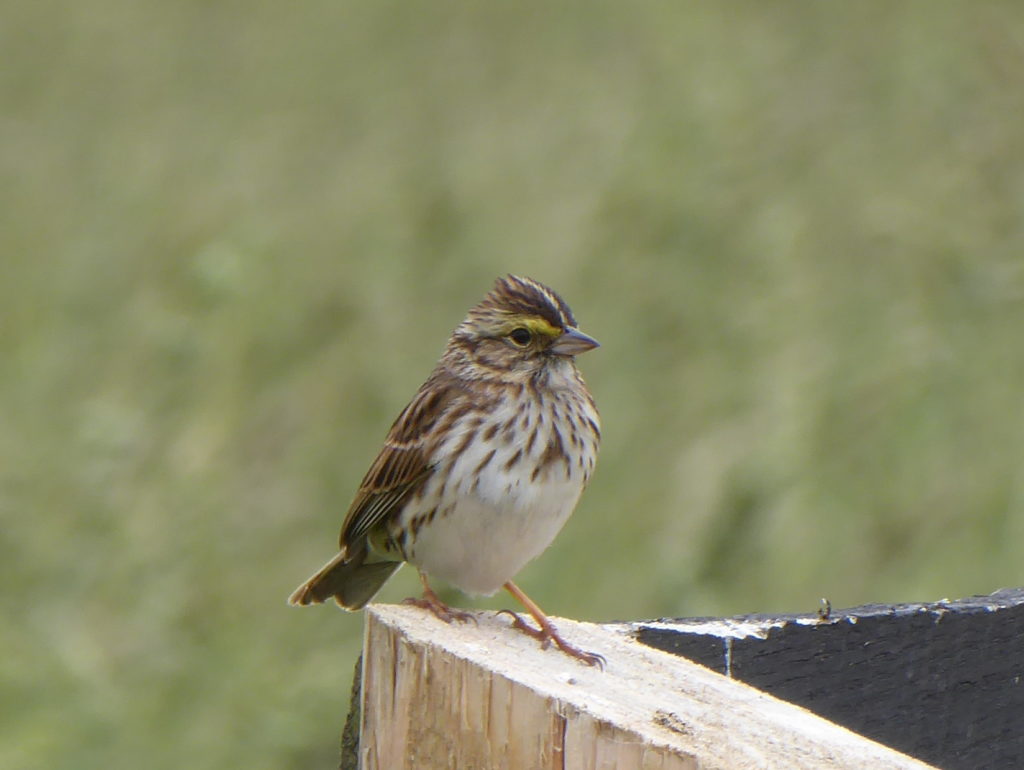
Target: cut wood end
{"x": 487, "y": 695}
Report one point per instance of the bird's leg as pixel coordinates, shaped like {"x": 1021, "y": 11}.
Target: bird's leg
{"x": 432, "y": 602}
{"x": 546, "y": 634}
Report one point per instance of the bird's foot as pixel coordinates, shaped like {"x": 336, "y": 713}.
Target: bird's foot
{"x": 431, "y": 601}
{"x": 546, "y": 634}
{"x": 441, "y": 610}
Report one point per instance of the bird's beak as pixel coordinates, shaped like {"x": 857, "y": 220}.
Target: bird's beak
{"x": 573, "y": 342}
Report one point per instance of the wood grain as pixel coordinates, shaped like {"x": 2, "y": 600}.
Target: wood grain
{"x": 485, "y": 696}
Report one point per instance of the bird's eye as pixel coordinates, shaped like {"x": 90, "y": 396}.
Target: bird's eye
{"x": 520, "y": 336}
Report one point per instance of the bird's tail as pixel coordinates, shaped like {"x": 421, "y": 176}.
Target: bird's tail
{"x": 349, "y": 578}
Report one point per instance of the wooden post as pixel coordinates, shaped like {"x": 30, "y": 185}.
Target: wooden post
{"x": 486, "y": 696}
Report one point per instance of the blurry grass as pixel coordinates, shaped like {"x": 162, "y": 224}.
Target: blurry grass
{"x": 236, "y": 236}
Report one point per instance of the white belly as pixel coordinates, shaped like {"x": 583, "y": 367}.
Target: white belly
{"x": 483, "y": 542}
{"x": 490, "y": 523}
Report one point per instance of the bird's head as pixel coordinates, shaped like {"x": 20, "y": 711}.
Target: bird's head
{"x": 521, "y": 329}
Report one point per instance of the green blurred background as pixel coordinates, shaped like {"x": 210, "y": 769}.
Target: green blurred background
{"x": 235, "y": 236}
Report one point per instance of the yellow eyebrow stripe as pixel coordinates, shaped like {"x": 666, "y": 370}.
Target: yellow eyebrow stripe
{"x": 535, "y": 324}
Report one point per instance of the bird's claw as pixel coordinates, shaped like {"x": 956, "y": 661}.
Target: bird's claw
{"x": 548, "y": 635}
{"x": 441, "y": 610}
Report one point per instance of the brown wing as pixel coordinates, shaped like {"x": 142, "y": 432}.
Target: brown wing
{"x": 404, "y": 463}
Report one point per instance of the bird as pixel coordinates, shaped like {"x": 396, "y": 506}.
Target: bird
{"x": 483, "y": 467}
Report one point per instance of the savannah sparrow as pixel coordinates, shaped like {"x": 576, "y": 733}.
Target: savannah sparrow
{"x": 482, "y": 468}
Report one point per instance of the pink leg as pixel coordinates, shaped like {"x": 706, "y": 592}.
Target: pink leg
{"x": 546, "y": 634}
{"x": 432, "y": 602}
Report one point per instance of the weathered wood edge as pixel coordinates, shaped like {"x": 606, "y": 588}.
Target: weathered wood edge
{"x": 350, "y": 733}
{"x": 686, "y": 714}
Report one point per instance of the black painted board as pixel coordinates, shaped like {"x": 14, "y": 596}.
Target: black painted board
{"x": 943, "y": 682}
